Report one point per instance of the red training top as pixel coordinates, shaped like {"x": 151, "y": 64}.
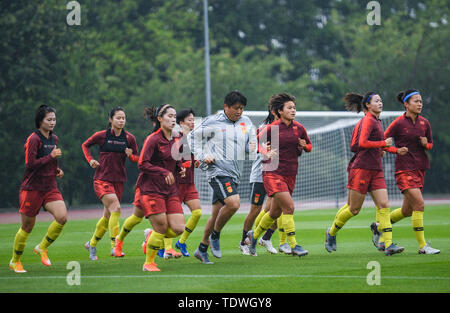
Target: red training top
{"x": 155, "y": 163}
{"x": 40, "y": 172}
{"x": 289, "y": 148}
{"x": 406, "y": 134}
{"x": 112, "y": 154}
{"x": 370, "y": 141}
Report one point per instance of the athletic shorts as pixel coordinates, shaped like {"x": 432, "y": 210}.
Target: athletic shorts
{"x": 223, "y": 187}
{"x": 274, "y": 183}
{"x": 156, "y": 203}
{"x": 102, "y": 187}
{"x": 363, "y": 180}
{"x": 31, "y": 201}
{"x": 187, "y": 192}
{"x": 410, "y": 179}
{"x": 257, "y": 194}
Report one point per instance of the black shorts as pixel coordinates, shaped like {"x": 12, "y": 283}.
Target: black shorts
{"x": 223, "y": 187}
{"x": 258, "y": 194}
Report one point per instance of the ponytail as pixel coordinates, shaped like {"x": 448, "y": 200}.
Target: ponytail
{"x": 356, "y": 103}
{"x": 152, "y": 114}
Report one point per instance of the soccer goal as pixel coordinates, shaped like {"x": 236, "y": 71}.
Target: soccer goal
{"x": 322, "y": 174}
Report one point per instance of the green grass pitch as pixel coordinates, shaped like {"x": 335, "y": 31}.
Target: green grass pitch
{"x": 342, "y": 271}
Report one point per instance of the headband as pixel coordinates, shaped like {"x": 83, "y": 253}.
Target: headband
{"x": 162, "y": 109}
{"x": 410, "y": 95}
{"x": 368, "y": 99}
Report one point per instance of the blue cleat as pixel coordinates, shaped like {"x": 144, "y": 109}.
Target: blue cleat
{"x": 202, "y": 256}
{"x": 330, "y": 241}
{"x": 253, "y": 241}
{"x": 299, "y": 251}
{"x": 393, "y": 249}
{"x": 161, "y": 252}
{"x": 182, "y": 247}
{"x": 215, "y": 247}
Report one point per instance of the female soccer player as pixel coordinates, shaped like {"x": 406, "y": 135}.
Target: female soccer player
{"x": 156, "y": 188}
{"x": 39, "y": 187}
{"x": 257, "y": 196}
{"x": 280, "y": 171}
{"x": 116, "y": 145}
{"x": 412, "y": 132}
{"x": 365, "y": 170}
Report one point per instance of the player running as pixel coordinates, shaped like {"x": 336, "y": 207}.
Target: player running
{"x": 116, "y": 144}
{"x": 156, "y": 189}
{"x": 39, "y": 188}
{"x": 412, "y": 132}
{"x": 288, "y": 139}
{"x": 365, "y": 170}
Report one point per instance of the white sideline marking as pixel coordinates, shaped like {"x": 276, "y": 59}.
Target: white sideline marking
{"x": 228, "y": 276}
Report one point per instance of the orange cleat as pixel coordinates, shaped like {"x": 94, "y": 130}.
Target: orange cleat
{"x": 147, "y": 233}
{"x": 43, "y": 254}
{"x": 150, "y": 267}
{"x": 118, "y": 248}
{"x": 17, "y": 267}
{"x": 171, "y": 253}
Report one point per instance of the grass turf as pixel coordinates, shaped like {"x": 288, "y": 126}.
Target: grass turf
{"x": 342, "y": 271}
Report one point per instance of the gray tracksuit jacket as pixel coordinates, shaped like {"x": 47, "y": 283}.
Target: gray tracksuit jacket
{"x": 227, "y": 141}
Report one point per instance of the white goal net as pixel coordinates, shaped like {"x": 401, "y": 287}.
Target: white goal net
{"x": 322, "y": 173}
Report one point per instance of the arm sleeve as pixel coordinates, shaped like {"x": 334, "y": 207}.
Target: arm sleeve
{"x": 392, "y": 150}
{"x": 304, "y": 136}
{"x": 133, "y": 145}
{"x": 263, "y": 134}
{"x": 391, "y": 130}
{"x": 96, "y": 139}
{"x": 144, "y": 163}
{"x": 31, "y": 151}
{"x": 364, "y": 142}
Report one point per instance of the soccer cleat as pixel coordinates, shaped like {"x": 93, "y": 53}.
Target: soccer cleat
{"x": 284, "y": 248}
{"x": 150, "y": 267}
{"x": 244, "y": 249}
{"x": 171, "y": 253}
{"x": 147, "y": 233}
{"x": 117, "y": 251}
{"x": 182, "y": 247}
{"x": 381, "y": 246}
{"x": 215, "y": 247}
{"x": 428, "y": 250}
{"x": 92, "y": 251}
{"x": 330, "y": 241}
{"x": 161, "y": 252}
{"x": 43, "y": 254}
{"x": 202, "y": 256}
{"x": 252, "y": 246}
{"x": 375, "y": 234}
{"x": 299, "y": 251}
{"x": 393, "y": 249}
{"x": 268, "y": 245}
{"x": 17, "y": 267}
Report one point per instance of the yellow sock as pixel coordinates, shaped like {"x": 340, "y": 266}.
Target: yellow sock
{"x": 396, "y": 215}
{"x": 128, "y": 225}
{"x": 100, "y": 230}
{"x": 264, "y": 224}
{"x": 417, "y": 223}
{"x": 340, "y": 220}
{"x": 190, "y": 225}
{"x": 19, "y": 245}
{"x": 281, "y": 231}
{"x": 168, "y": 243}
{"x": 341, "y": 209}
{"x": 385, "y": 226}
{"x": 170, "y": 233}
{"x": 52, "y": 233}
{"x": 289, "y": 228}
{"x": 258, "y": 219}
{"x": 113, "y": 227}
{"x": 155, "y": 242}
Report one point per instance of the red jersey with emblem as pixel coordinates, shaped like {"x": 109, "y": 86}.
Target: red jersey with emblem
{"x": 407, "y": 134}
{"x": 370, "y": 141}
{"x": 288, "y": 149}
{"x": 156, "y": 162}
{"x": 112, "y": 154}
{"x": 40, "y": 172}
